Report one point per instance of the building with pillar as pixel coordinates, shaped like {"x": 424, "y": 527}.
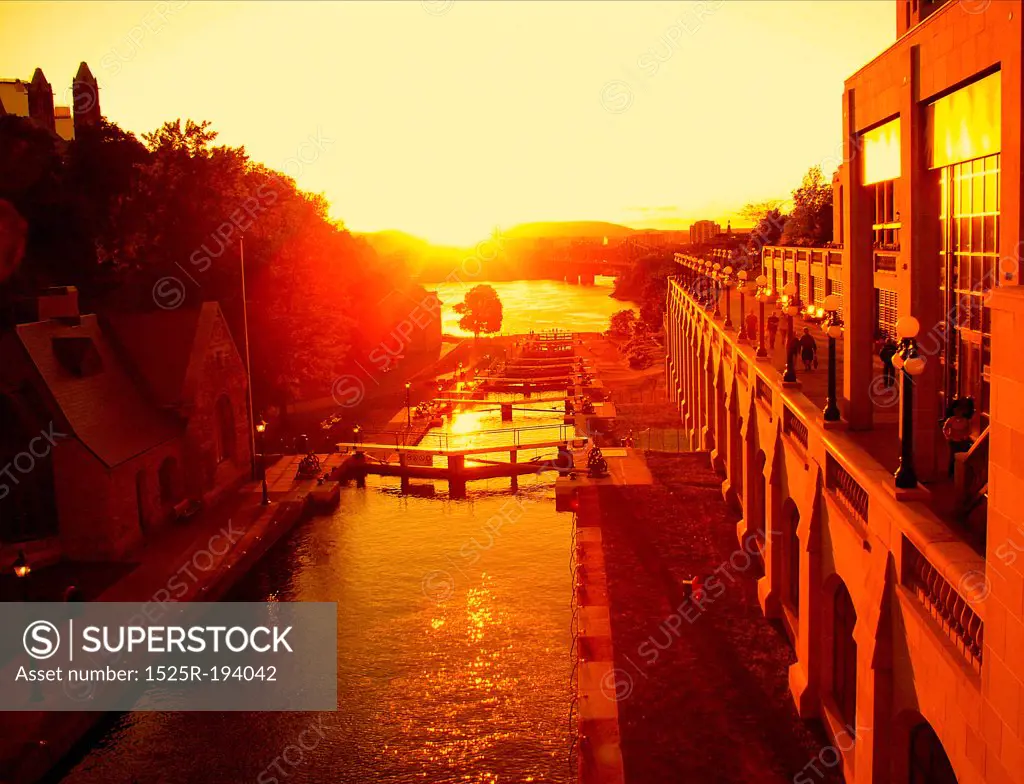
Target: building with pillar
{"x": 904, "y": 605}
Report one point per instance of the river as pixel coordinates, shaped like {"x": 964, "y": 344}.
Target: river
{"x": 537, "y": 305}
{"x": 453, "y": 646}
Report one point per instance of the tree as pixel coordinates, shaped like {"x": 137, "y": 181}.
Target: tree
{"x": 768, "y": 231}
{"x": 810, "y": 223}
{"x": 755, "y": 211}
{"x": 481, "y": 310}
{"x": 622, "y": 323}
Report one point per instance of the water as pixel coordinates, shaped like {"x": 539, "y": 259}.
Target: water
{"x": 538, "y": 305}
{"x": 453, "y": 646}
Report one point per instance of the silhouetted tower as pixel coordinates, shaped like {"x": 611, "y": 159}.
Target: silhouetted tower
{"x": 40, "y": 101}
{"x": 86, "y": 97}
{"x": 728, "y": 228}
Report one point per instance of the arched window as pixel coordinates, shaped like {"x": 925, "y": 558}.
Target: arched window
{"x": 168, "y": 476}
{"x": 793, "y": 558}
{"x": 928, "y": 761}
{"x": 844, "y": 657}
{"x": 225, "y": 430}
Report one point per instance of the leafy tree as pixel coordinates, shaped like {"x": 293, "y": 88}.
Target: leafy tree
{"x": 810, "y": 223}
{"x": 768, "y": 231}
{"x": 481, "y": 310}
{"x": 622, "y": 323}
{"x": 755, "y": 211}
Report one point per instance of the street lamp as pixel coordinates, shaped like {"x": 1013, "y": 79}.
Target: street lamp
{"x": 762, "y": 297}
{"x": 261, "y": 429}
{"x": 21, "y": 571}
{"x": 408, "y": 410}
{"x": 727, "y": 283}
{"x": 715, "y": 292}
{"x": 912, "y": 365}
{"x": 790, "y": 308}
{"x": 355, "y": 433}
{"x": 741, "y": 288}
{"x": 833, "y": 326}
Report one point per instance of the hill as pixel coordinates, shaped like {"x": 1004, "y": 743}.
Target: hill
{"x": 568, "y": 229}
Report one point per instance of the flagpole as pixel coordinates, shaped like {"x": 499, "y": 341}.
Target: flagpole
{"x": 248, "y": 361}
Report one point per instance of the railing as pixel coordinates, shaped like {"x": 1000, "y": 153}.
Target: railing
{"x": 663, "y": 439}
{"x": 846, "y": 488}
{"x": 950, "y": 610}
{"x": 742, "y": 368}
{"x": 727, "y": 349}
{"x": 762, "y": 391}
{"x": 794, "y": 426}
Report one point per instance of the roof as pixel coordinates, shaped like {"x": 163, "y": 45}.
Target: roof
{"x": 94, "y": 389}
{"x": 166, "y": 348}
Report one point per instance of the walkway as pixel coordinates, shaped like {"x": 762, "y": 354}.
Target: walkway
{"x": 702, "y": 695}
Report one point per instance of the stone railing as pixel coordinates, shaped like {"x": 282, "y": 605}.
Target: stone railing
{"x": 794, "y": 426}
{"x": 841, "y": 483}
{"x": 742, "y": 368}
{"x": 951, "y": 611}
{"x": 763, "y": 391}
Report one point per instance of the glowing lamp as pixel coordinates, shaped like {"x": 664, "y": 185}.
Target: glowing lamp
{"x": 727, "y": 270}
{"x": 897, "y": 361}
{"x": 907, "y": 327}
{"x": 792, "y": 310}
{"x": 789, "y": 290}
{"x": 761, "y": 280}
{"x": 742, "y": 274}
{"x": 915, "y": 366}
{"x": 831, "y": 303}
{"x": 834, "y": 331}
{"x": 716, "y": 267}
{"x": 820, "y": 312}
{"x": 261, "y": 426}
{"x": 21, "y": 567}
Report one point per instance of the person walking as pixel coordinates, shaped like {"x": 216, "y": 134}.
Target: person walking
{"x": 886, "y": 353}
{"x": 808, "y": 350}
{"x": 957, "y": 429}
{"x": 772, "y": 324}
{"x": 752, "y": 325}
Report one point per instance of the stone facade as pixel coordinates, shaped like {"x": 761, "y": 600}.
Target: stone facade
{"x": 907, "y": 634}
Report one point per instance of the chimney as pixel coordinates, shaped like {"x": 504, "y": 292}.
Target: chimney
{"x": 40, "y": 101}
{"x": 86, "y": 98}
{"x": 59, "y": 302}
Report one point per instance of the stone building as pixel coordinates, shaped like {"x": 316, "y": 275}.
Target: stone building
{"x": 904, "y": 605}
{"x": 34, "y": 99}
{"x": 111, "y": 426}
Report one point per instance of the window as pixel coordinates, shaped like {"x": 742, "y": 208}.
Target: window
{"x": 886, "y": 225}
{"x": 886, "y": 311}
{"x": 819, "y": 289}
{"x": 928, "y": 761}
{"x": 844, "y": 657}
{"x": 970, "y": 270}
{"x": 802, "y": 291}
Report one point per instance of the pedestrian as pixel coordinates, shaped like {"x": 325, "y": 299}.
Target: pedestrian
{"x": 957, "y": 429}
{"x": 886, "y": 353}
{"x": 808, "y": 350}
{"x": 773, "y": 328}
{"x": 752, "y": 326}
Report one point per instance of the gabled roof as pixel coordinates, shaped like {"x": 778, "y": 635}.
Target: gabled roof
{"x": 166, "y": 349}
{"x": 94, "y": 389}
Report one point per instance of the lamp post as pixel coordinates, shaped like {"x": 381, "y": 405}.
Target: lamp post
{"x": 833, "y": 325}
{"x": 790, "y": 309}
{"x": 355, "y": 432}
{"x": 715, "y": 277}
{"x": 741, "y": 289}
{"x": 408, "y": 409}
{"x": 727, "y": 283}
{"x": 261, "y": 429}
{"x": 762, "y": 297}
{"x": 912, "y": 365}
{"x": 22, "y": 569}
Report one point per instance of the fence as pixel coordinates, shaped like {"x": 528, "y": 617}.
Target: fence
{"x": 663, "y": 439}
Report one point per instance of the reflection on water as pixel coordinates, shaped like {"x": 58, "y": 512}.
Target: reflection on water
{"x": 453, "y": 650}
{"x": 538, "y": 305}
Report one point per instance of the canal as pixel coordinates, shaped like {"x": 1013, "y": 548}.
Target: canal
{"x": 453, "y": 646}
{"x": 537, "y": 305}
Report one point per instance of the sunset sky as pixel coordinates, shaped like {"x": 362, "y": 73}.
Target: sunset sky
{"x": 446, "y": 118}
